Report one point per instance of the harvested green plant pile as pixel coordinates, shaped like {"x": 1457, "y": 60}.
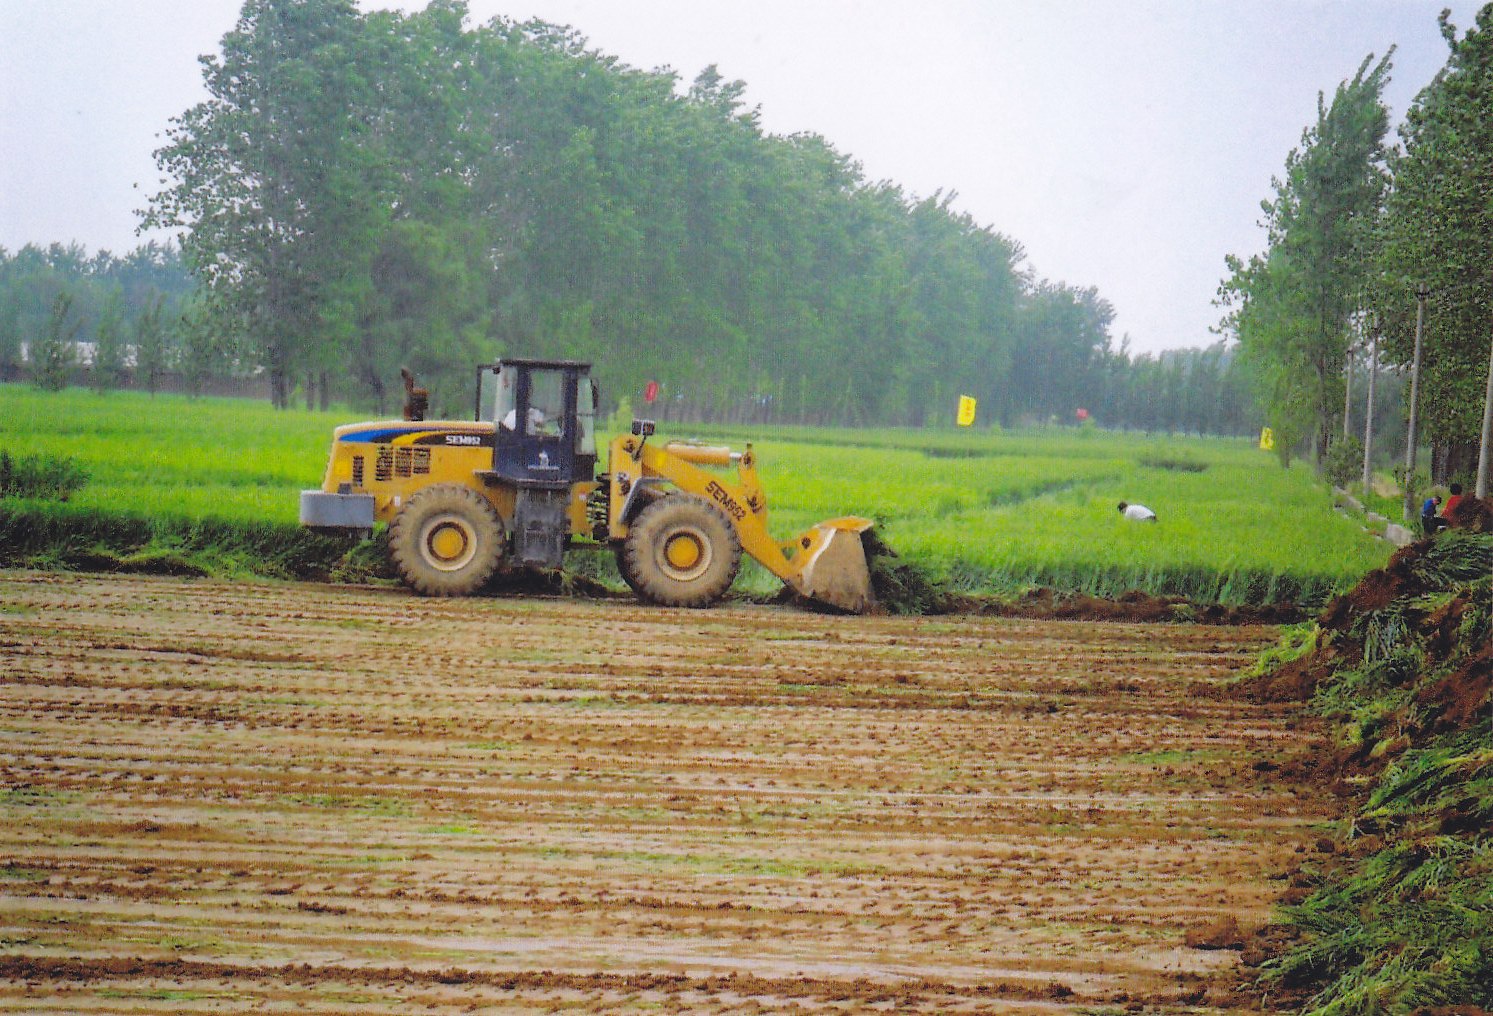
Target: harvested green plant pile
{"x": 1402, "y": 668}
{"x": 40, "y": 535}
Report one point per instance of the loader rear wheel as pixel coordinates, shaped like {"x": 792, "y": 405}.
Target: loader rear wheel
{"x": 447, "y": 541}
{"x": 680, "y": 552}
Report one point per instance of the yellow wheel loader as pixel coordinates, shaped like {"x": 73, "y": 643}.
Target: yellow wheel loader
{"x": 463, "y": 500}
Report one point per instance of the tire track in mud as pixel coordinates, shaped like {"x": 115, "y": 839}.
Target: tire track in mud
{"x": 338, "y": 800}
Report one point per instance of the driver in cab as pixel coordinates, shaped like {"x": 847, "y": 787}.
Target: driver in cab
{"x": 539, "y": 424}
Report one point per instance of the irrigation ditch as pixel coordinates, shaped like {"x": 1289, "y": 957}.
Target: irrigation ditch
{"x": 40, "y": 534}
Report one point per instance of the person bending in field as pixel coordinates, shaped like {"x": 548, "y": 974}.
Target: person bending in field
{"x": 1429, "y": 520}
{"x": 1137, "y": 512}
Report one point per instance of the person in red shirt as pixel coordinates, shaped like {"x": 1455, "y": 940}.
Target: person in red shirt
{"x": 1451, "y": 502}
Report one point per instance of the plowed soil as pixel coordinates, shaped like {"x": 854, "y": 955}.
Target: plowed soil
{"x": 293, "y": 798}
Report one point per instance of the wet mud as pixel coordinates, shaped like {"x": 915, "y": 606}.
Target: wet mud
{"x": 220, "y": 797}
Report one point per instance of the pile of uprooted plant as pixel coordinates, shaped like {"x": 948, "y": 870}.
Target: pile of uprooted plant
{"x": 1395, "y": 913}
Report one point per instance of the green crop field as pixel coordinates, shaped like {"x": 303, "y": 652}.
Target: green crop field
{"x": 984, "y": 511}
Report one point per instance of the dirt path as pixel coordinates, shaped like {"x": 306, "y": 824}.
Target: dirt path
{"x": 310, "y": 799}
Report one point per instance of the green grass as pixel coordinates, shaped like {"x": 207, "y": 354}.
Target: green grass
{"x": 43, "y": 476}
{"x": 1403, "y": 921}
{"x": 1006, "y": 511}
{"x": 230, "y": 459}
{"x": 211, "y": 485}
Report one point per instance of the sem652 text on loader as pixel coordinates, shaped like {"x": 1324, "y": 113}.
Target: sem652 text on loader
{"x": 463, "y": 499}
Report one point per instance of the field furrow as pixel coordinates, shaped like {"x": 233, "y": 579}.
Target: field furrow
{"x": 322, "y": 799}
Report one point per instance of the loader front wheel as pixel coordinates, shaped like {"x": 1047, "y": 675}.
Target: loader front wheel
{"x": 447, "y": 541}
{"x": 680, "y": 552}
{"x": 625, "y": 569}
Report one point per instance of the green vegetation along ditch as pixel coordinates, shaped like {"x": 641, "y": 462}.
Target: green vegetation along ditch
{"x": 1398, "y": 916}
{"x": 210, "y": 486}
{"x": 40, "y": 476}
{"x": 39, "y": 535}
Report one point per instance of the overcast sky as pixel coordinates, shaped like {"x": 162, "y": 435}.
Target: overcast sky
{"x": 1126, "y": 144}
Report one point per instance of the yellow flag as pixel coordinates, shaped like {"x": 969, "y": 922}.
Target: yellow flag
{"x": 1267, "y": 439}
{"x": 966, "y": 410}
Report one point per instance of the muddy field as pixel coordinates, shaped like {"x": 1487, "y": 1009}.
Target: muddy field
{"x": 310, "y": 799}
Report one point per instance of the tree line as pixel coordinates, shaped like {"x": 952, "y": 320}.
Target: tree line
{"x": 362, "y": 192}
{"x": 136, "y": 321}
{"x": 1362, "y": 236}
{"x": 65, "y": 312}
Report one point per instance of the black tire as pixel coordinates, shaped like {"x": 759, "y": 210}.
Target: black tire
{"x": 680, "y": 552}
{"x": 646, "y": 496}
{"x": 624, "y": 569}
{"x": 447, "y": 541}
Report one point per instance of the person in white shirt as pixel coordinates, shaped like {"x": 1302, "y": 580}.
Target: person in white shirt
{"x": 1137, "y": 512}
{"x": 536, "y": 420}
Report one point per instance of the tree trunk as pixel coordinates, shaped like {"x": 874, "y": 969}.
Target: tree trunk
{"x": 380, "y": 393}
{"x": 1453, "y": 460}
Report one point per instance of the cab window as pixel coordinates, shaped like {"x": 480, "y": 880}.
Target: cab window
{"x": 546, "y": 402}
{"x": 585, "y": 417}
{"x": 505, "y": 399}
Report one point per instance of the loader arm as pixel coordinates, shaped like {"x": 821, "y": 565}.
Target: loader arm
{"x": 826, "y": 563}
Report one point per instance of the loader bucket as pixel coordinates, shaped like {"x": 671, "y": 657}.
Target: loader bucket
{"x": 831, "y": 565}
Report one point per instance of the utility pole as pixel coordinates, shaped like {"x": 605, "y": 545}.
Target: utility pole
{"x": 1368, "y": 411}
{"x": 1421, "y": 292}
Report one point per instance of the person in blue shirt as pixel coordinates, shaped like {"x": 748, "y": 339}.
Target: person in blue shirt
{"x": 1429, "y": 520}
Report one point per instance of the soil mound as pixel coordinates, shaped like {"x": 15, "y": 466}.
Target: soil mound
{"x": 1137, "y": 607}
{"x": 1411, "y": 594}
{"x": 1378, "y": 589}
{"x": 903, "y": 587}
{"x": 1401, "y": 668}
{"x": 1473, "y": 514}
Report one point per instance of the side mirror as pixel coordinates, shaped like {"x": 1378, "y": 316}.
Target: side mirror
{"x": 643, "y": 428}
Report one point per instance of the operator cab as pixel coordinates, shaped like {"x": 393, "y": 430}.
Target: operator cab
{"x": 545, "y": 412}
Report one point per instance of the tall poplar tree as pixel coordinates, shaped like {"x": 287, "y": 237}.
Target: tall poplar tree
{"x": 280, "y": 195}
{"x": 1438, "y": 233}
{"x": 54, "y": 353}
{"x": 365, "y": 192}
{"x": 108, "y": 368}
{"x": 1296, "y": 307}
